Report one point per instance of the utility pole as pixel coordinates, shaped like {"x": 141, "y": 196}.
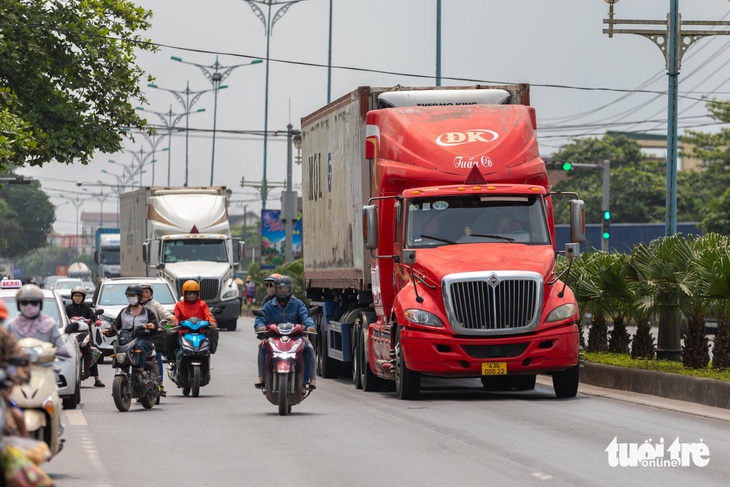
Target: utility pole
{"x": 668, "y": 41}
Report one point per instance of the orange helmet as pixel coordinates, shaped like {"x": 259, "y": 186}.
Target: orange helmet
{"x": 3, "y": 310}
{"x": 273, "y": 277}
{"x": 191, "y": 286}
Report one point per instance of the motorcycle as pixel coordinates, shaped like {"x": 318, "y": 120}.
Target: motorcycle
{"x": 284, "y": 369}
{"x": 39, "y": 398}
{"x": 89, "y": 354}
{"x": 190, "y": 369}
{"x": 130, "y": 380}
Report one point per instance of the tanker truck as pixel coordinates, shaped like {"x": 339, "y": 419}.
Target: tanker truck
{"x": 179, "y": 234}
{"x": 429, "y": 241}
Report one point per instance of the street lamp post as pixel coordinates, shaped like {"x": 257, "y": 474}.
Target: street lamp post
{"x": 77, "y": 202}
{"x": 187, "y": 103}
{"x": 141, "y": 159}
{"x": 215, "y": 73}
{"x": 170, "y": 119}
{"x": 268, "y": 22}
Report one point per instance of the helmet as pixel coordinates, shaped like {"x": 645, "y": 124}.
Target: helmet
{"x": 134, "y": 290}
{"x": 29, "y": 292}
{"x": 191, "y": 286}
{"x": 78, "y": 290}
{"x": 3, "y": 310}
{"x": 283, "y": 288}
{"x": 273, "y": 277}
{"x": 146, "y": 285}
{"x": 32, "y": 281}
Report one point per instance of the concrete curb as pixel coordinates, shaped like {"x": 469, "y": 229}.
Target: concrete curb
{"x": 710, "y": 392}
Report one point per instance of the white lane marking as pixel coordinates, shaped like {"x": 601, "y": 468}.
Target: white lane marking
{"x": 541, "y": 475}
{"x": 75, "y": 417}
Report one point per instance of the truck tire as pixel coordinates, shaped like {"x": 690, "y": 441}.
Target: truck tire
{"x": 407, "y": 382}
{"x": 565, "y": 383}
{"x": 356, "y": 363}
{"x": 230, "y": 325}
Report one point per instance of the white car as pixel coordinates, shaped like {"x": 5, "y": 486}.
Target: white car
{"x": 68, "y": 372}
{"x": 64, "y": 286}
{"x": 111, "y": 297}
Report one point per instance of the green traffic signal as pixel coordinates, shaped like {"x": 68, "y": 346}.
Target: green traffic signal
{"x": 567, "y": 166}
{"x": 606, "y": 215}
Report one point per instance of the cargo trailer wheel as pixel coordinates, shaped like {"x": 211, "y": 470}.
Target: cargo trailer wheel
{"x": 565, "y": 383}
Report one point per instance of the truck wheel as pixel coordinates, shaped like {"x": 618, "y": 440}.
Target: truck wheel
{"x": 231, "y": 325}
{"x": 565, "y": 383}
{"x": 407, "y": 382}
{"x": 356, "y": 364}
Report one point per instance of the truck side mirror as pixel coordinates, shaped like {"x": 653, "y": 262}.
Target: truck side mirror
{"x": 96, "y": 256}
{"x": 370, "y": 226}
{"x": 577, "y": 221}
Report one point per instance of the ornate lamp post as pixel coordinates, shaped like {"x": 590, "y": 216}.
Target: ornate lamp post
{"x": 170, "y": 119}
{"x": 187, "y": 103}
{"x": 268, "y": 21}
{"x": 215, "y": 73}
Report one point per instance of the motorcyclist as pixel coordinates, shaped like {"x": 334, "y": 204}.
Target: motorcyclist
{"x": 11, "y": 356}
{"x": 192, "y": 306}
{"x": 31, "y": 323}
{"x": 269, "y": 281}
{"x": 135, "y": 317}
{"x": 79, "y": 308}
{"x": 250, "y": 292}
{"x": 285, "y": 309}
{"x": 161, "y": 313}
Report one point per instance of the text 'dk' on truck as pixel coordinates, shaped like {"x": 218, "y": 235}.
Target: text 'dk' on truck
{"x": 180, "y": 234}
{"x": 429, "y": 245}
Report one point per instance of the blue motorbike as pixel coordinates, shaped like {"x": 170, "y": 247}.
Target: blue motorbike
{"x": 191, "y": 368}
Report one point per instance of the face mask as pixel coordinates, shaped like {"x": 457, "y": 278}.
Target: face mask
{"x": 30, "y": 310}
{"x": 132, "y": 300}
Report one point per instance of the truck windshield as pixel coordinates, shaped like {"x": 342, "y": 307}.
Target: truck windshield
{"x": 194, "y": 250}
{"x": 109, "y": 257}
{"x": 447, "y": 220}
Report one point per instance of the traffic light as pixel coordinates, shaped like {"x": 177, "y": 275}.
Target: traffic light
{"x": 606, "y": 224}
{"x": 567, "y": 166}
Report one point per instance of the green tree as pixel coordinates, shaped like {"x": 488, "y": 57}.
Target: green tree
{"x": 637, "y": 187}
{"x": 70, "y": 70}
{"x": 29, "y": 216}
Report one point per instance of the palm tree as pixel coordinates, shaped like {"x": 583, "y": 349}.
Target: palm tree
{"x": 719, "y": 293}
{"x": 661, "y": 269}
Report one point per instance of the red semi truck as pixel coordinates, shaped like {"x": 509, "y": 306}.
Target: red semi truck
{"x": 429, "y": 241}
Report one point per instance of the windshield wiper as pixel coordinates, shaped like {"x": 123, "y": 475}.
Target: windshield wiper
{"x": 499, "y": 237}
{"x": 438, "y": 239}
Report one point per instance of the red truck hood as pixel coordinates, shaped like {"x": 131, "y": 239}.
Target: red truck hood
{"x": 450, "y": 259}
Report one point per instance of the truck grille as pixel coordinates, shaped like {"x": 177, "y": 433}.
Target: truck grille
{"x": 494, "y": 303}
{"x": 208, "y": 288}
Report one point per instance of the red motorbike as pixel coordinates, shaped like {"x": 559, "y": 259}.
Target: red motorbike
{"x": 89, "y": 354}
{"x": 284, "y": 365}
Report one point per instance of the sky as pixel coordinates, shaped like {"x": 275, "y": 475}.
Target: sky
{"x": 583, "y": 83}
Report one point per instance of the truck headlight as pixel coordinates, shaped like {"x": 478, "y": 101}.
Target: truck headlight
{"x": 230, "y": 294}
{"x": 562, "y": 313}
{"x": 421, "y": 317}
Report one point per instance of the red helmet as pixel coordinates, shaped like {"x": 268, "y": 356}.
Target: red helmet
{"x": 3, "y": 310}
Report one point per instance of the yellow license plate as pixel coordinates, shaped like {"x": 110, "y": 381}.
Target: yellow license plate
{"x": 494, "y": 368}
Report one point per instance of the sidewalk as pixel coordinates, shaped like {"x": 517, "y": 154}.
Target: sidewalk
{"x": 710, "y": 392}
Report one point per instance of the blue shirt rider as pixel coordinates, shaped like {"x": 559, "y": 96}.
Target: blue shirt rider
{"x": 285, "y": 308}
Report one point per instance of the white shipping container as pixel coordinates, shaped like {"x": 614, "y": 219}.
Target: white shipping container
{"x": 335, "y": 186}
